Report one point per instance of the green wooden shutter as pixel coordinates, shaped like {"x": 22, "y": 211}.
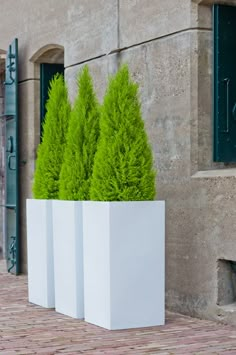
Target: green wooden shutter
{"x": 47, "y": 71}
{"x": 12, "y": 177}
{"x": 224, "y": 83}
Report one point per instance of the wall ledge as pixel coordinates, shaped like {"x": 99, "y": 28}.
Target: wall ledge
{"x": 214, "y": 173}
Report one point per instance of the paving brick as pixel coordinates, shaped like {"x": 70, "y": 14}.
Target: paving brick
{"x": 29, "y": 329}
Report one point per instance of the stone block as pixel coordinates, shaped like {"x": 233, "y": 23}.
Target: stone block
{"x": 143, "y": 20}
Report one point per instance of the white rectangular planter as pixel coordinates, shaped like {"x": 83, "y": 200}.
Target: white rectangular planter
{"x": 68, "y": 258}
{"x": 124, "y": 263}
{"x": 40, "y": 252}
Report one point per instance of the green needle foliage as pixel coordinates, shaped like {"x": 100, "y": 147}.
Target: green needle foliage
{"x": 76, "y": 172}
{"x": 123, "y": 166}
{"x": 51, "y": 150}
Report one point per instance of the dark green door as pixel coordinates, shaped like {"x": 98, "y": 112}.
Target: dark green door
{"x": 11, "y": 154}
{"x": 47, "y": 71}
{"x": 224, "y": 83}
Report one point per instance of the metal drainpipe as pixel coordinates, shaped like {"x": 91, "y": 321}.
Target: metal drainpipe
{"x": 2, "y": 162}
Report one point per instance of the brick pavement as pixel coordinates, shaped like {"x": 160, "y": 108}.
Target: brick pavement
{"x": 29, "y": 329}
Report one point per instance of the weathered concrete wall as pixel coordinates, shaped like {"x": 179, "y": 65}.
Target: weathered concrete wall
{"x": 213, "y": 222}
{"x": 168, "y": 46}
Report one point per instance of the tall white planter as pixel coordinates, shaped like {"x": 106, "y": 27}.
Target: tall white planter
{"x": 124, "y": 263}
{"x": 40, "y": 252}
{"x": 68, "y": 258}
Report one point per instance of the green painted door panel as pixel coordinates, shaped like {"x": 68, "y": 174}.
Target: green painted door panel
{"x": 47, "y": 71}
{"x": 12, "y": 177}
{"x": 224, "y": 83}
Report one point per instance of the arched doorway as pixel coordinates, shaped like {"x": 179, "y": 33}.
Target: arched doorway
{"x": 32, "y": 98}
{"x": 48, "y": 60}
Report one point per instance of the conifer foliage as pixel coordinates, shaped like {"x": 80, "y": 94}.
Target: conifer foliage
{"x": 51, "y": 150}
{"x": 83, "y": 133}
{"x": 123, "y": 165}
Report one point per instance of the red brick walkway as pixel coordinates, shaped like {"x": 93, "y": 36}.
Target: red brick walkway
{"x": 28, "y": 329}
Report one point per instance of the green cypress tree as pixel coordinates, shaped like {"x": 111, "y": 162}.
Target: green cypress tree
{"x": 123, "y": 165}
{"x": 51, "y": 149}
{"x": 81, "y": 145}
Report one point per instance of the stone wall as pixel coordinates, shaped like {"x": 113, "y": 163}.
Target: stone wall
{"x": 168, "y": 46}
